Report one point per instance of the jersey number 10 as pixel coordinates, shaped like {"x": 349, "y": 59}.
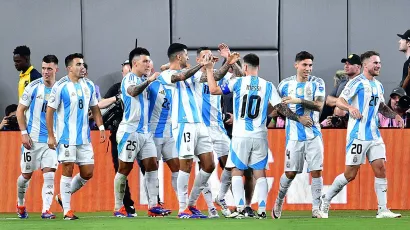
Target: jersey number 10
{"x": 252, "y": 99}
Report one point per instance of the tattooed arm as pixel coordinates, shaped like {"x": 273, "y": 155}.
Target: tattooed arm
{"x": 135, "y": 90}
{"x": 185, "y": 74}
{"x": 218, "y": 74}
{"x": 316, "y": 105}
{"x": 237, "y": 70}
{"x": 285, "y": 111}
{"x": 386, "y": 111}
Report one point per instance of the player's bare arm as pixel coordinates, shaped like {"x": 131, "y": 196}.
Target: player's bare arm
{"x": 214, "y": 89}
{"x": 135, "y": 90}
{"x": 285, "y": 111}
{"x": 237, "y": 70}
{"x": 221, "y": 72}
{"x": 342, "y": 104}
{"x": 99, "y": 121}
{"x": 52, "y": 143}
{"x": 21, "y": 119}
{"x": 316, "y": 105}
{"x": 185, "y": 74}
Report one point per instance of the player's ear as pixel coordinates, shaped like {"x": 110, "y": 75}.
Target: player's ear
{"x": 296, "y": 65}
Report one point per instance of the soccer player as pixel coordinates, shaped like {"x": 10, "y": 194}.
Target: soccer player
{"x": 304, "y": 94}
{"x": 249, "y": 147}
{"x": 133, "y": 136}
{"x": 31, "y": 116}
{"x": 72, "y": 96}
{"x": 363, "y": 99}
{"x": 212, "y": 118}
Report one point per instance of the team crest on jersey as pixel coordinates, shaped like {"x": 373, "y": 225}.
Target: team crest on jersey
{"x": 299, "y": 91}
{"x": 287, "y": 164}
{"x": 87, "y": 92}
{"x": 24, "y": 97}
{"x": 346, "y": 91}
{"x": 47, "y": 96}
{"x": 80, "y": 92}
{"x": 67, "y": 153}
{"x": 129, "y": 155}
{"x": 355, "y": 159}
{"x": 374, "y": 91}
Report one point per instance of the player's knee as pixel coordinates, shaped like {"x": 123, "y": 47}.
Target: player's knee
{"x": 380, "y": 171}
{"x": 27, "y": 176}
{"x": 209, "y": 167}
{"x": 290, "y": 175}
{"x": 86, "y": 175}
{"x": 350, "y": 176}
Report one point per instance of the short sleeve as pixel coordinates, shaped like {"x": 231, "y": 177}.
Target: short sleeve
{"x": 320, "y": 88}
{"x": 26, "y": 98}
{"x": 228, "y": 87}
{"x": 351, "y": 89}
{"x": 282, "y": 89}
{"x": 55, "y": 96}
{"x": 93, "y": 99}
{"x": 166, "y": 77}
{"x": 274, "y": 98}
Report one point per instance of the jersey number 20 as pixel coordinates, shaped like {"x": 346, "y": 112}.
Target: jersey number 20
{"x": 252, "y": 99}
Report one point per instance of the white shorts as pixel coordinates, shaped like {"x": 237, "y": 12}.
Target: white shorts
{"x": 135, "y": 146}
{"x": 220, "y": 141}
{"x": 299, "y": 151}
{"x": 79, "y": 154}
{"x": 165, "y": 148}
{"x": 358, "y": 150}
{"x": 192, "y": 139}
{"x": 38, "y": 157}
{"x": 246, "y": 151}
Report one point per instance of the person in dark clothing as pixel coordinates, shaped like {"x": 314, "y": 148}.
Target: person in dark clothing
{"x": 404, "y": 46}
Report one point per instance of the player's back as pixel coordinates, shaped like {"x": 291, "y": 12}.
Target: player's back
{"x": 36, "y": 96}
{"x": 366, "y": 96}
{"x": 135, "y": 117}
{"x": 314, "y": 87}
{"x": 251, "y": 98}
{"x": 160, "y": 99}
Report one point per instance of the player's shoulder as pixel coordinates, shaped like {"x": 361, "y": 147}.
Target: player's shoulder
{"x": 287, "y": 81}
{"x": 317, "y": 80}
{"x": 359, "y": 79}
{"x": 62, "y": 82}
{"x": 35, "y": 83}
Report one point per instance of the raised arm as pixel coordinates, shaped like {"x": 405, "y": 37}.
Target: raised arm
{"x": 185, "y": 74}
{"x": 135, "y": 90}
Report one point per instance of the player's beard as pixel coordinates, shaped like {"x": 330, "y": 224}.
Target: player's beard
{"x": 375, "y": 73}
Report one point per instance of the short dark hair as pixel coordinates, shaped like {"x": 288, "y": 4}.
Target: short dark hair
{"x": 50, "y": 59}
{"x": 10, "y": 108}
{"x": 251, "y": 59}
{"x": 368, "y": 54}
{"x": 137, "y": 52}
{"x": 175, "y": 48}
{"x": 23, "y": 51}
{"x": 198, "y": 51}
{"x": 303, "y": 55}
{"x": 69, "y": 59}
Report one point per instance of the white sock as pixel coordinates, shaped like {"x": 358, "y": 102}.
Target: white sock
{"x": 337, "y": 186}
{"x": 226, "y": 181}
{"x": 174, "y": 182}
{"x": 284, "y": 185}
{"x": 119, "y": 190}
{"x": 48, "y": 190}
{"x": 22, "y": 185}
{"x": 380, "y": 186}
{"x": 182, "y": 182}
{"x": 317, "y": 186}
{"x": 77, "y": 183}
{"x": 238, "y": 192}
{"x": 262, "y": 188}
{"x": 201, "y": 181}
{"x": 152, "y": 183}
{"x": 208, "y": 196}
{"x": 65, "y": 192}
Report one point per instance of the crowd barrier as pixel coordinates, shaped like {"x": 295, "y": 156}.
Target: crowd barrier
{"x": 98, "y": 193}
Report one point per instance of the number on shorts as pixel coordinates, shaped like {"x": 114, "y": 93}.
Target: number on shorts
{"x": 80, "y": 104}
{"x": 187, "y": 137}
{"x": 356, "y": 148}
{"x": 131, "y": 146}
{"x": 288, "y": 154}
{"x": 252, "y": 98}
{"x": 26, "y": 157}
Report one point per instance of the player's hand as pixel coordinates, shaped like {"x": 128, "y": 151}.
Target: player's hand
{"x": 328, "y": 121}
{"x": 355, "y": 113}
{"x": 153, "y": 77}
{"x": 165, "y": 67}
{"x": 230, "y": 120}
{"x": 233, "y": 58}
{"x": 400, "y": 121}
{"x": 290, "y": 100}
{"x": 52, "y": 143}
{"x": 207, "y": 61}
{"x": 102, "y": 136}
{"x": 26, "y": 141}
{"x": 224, "y": 50}
{"x": 306, "y": 121}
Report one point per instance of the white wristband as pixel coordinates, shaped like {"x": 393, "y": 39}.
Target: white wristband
{"x": 24, "y": 132}
{"x": 101, "y": 128}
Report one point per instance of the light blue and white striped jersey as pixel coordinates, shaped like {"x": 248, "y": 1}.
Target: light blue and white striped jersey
{"x": 35, "y": 97}
{"x": 160, "y": 99}
{"x": 366, "y": 96}
{"x": 251, "y": 98}
{"x": 185, "y": 102}
{"x": 313, "y": 88}
{"x": 211, "y": 104}
{"x": 72, "y": 101}
{"x": 135, "y": 117}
